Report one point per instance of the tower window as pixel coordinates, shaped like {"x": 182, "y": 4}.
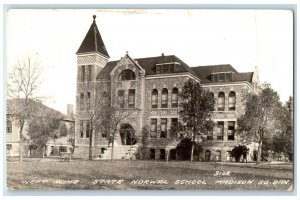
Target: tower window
{"x": 89, "y": 78}
{"x": 81, "y": 128}
{"x": 88, "y": 101}
{"x": 8, "y": 126}
{"x": 82, "y": 73}
{"x": 81, "y": 101}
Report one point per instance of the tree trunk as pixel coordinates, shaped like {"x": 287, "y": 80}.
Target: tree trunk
{"x": 259, "y": 152}
{"x": 112, "y": 150}
{"x": 21, "y": 142}
{"x": 192, "y": 152}
{"x": 44, "y": 149}
{"x": 91, "y": 146}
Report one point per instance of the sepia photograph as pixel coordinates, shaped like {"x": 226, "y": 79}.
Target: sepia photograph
{"x": 149, "y": 99}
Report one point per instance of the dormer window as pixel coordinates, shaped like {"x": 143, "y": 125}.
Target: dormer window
{"x": 166, "y": 68}
{"x": 221, "y": 77}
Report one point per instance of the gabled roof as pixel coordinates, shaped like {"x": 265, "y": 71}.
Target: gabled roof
{"x": 148, "y": 64}
{"x": 204, "y": 73}
{"x": 93, "y": 41}
{"x": 36, "y": 108}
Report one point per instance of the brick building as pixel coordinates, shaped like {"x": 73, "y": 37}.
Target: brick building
{"x": 149, "y": 88}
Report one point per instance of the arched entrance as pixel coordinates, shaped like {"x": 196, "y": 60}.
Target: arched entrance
{"x": 127, "y": 135}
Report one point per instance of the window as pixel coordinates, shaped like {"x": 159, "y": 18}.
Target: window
{"x": 221, "y": 77}
{"x": 126, "y": 75}
{"x": 218, "y": 156}
{"x": 220, "y": 130}
{"x": 221, "y": 101}
{"x": 131, "y": 98}
{"x": 209, "y": 136}
{"x": 81, "y": 128}
{"x": 158, "y": 69}
{"x": 164, "y": 98}
{"x": 82, "y": 73}
{"x": 153, "y": 129}
{"x": 88, "y": 101}
{"x": 8, "y": 126}
{"x": 207, "y": 155}
{"x": 89, "y": 78}
{"x": 163, "y": 128}
{"x": 231, "y": 101}
{"x": 174, "y": 122}
{"x": 162, "y": 154}
{"x": 88, "y": 129}
{"x": 166, "y": 68}
{"x": 212, "y": 96}
{"x": 121, "y": 99}
{"x": 152, "y": 154}
{"x": 231, "y": 130}
{"x": 8, "y": 148}
{"x": 174, "y": 98}
{"x": 154, "y": 98}
{"x": 81, "y": 101}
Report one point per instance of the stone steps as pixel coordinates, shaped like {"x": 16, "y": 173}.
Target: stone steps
{"x": 120, "y": 152}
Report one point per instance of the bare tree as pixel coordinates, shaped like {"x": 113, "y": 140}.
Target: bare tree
{"x": 23, "y": 84}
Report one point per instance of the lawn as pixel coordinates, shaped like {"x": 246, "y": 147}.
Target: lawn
{"x": 146, "y": 175}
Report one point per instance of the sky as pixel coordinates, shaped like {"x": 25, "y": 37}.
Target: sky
{"x": 242, "y": 38}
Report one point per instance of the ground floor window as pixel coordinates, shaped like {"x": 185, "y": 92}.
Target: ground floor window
{"x": 228, "y": 156}
{"x": 152, "y": 154}
{"x": 8, "y": 148}
{"x": 162, "y": 154}
{"x": 218, "y": 156}
{"x": 207, "y": 155}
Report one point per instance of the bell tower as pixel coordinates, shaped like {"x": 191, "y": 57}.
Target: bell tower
{"x": 92, "y": 57}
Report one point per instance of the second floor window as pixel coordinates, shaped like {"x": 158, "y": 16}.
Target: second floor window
{"x": 213, "y": 98}
{"x": 221, "y": 101}
{"x": 88, "y": 129}
{"x": 154, "y": 98}
{"x": 131, "y": 98}
{"x": 121, "y": 100}
{"x": 220, "y": 130}
{"x": 164, "y": 98}
{"x": 231, "y": 130}
{"x": 174, "y": 98}
{"x": 89, "y": 78}
{"x": 153, "y": 128}
{"x": 163, "y": 128}
{"x": 88, "y": 101}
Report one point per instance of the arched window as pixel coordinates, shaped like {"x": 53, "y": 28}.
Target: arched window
{"x": 218, "y": 156}
{"x": 231, "y": 101}
{"x": 174, "y": 98}
{"x": 126, "y": 75}
{"x": 221, "y": 101}
{"x": 207, "y": 155}
{"x": 164, "y": 98}
{"x": 212, "y": 96}
{"x": 154, "y": 98}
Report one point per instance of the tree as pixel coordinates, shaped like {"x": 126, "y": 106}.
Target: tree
{"x": 196, "y": 105}
{"x": 42, "y": 128}
{"x": 238, "y": 151}
{"x": 113, "y": 117}
{"x": 259, "y": 120}
{"x": 23, "y": 83}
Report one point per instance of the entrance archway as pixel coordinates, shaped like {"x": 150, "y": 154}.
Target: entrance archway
{"x": 127, "y": 135}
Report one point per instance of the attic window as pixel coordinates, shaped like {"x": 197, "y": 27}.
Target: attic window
{"x": 166, "y": 68}
{"x": 221, "y": 77}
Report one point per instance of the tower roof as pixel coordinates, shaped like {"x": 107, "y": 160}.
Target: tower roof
{"x": 93, "y": 41}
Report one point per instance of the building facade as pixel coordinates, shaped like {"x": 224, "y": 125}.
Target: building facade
{"x": 148, "y": 89}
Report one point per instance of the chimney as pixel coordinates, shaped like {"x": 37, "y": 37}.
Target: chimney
{"x": 162, "y": 54}
{"x": 70, "y": 111}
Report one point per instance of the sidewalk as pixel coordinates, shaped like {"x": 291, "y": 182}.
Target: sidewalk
{"x": 262, "y": 165}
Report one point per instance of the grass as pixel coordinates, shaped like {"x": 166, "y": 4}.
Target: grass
{"x": 20, "y": 175}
